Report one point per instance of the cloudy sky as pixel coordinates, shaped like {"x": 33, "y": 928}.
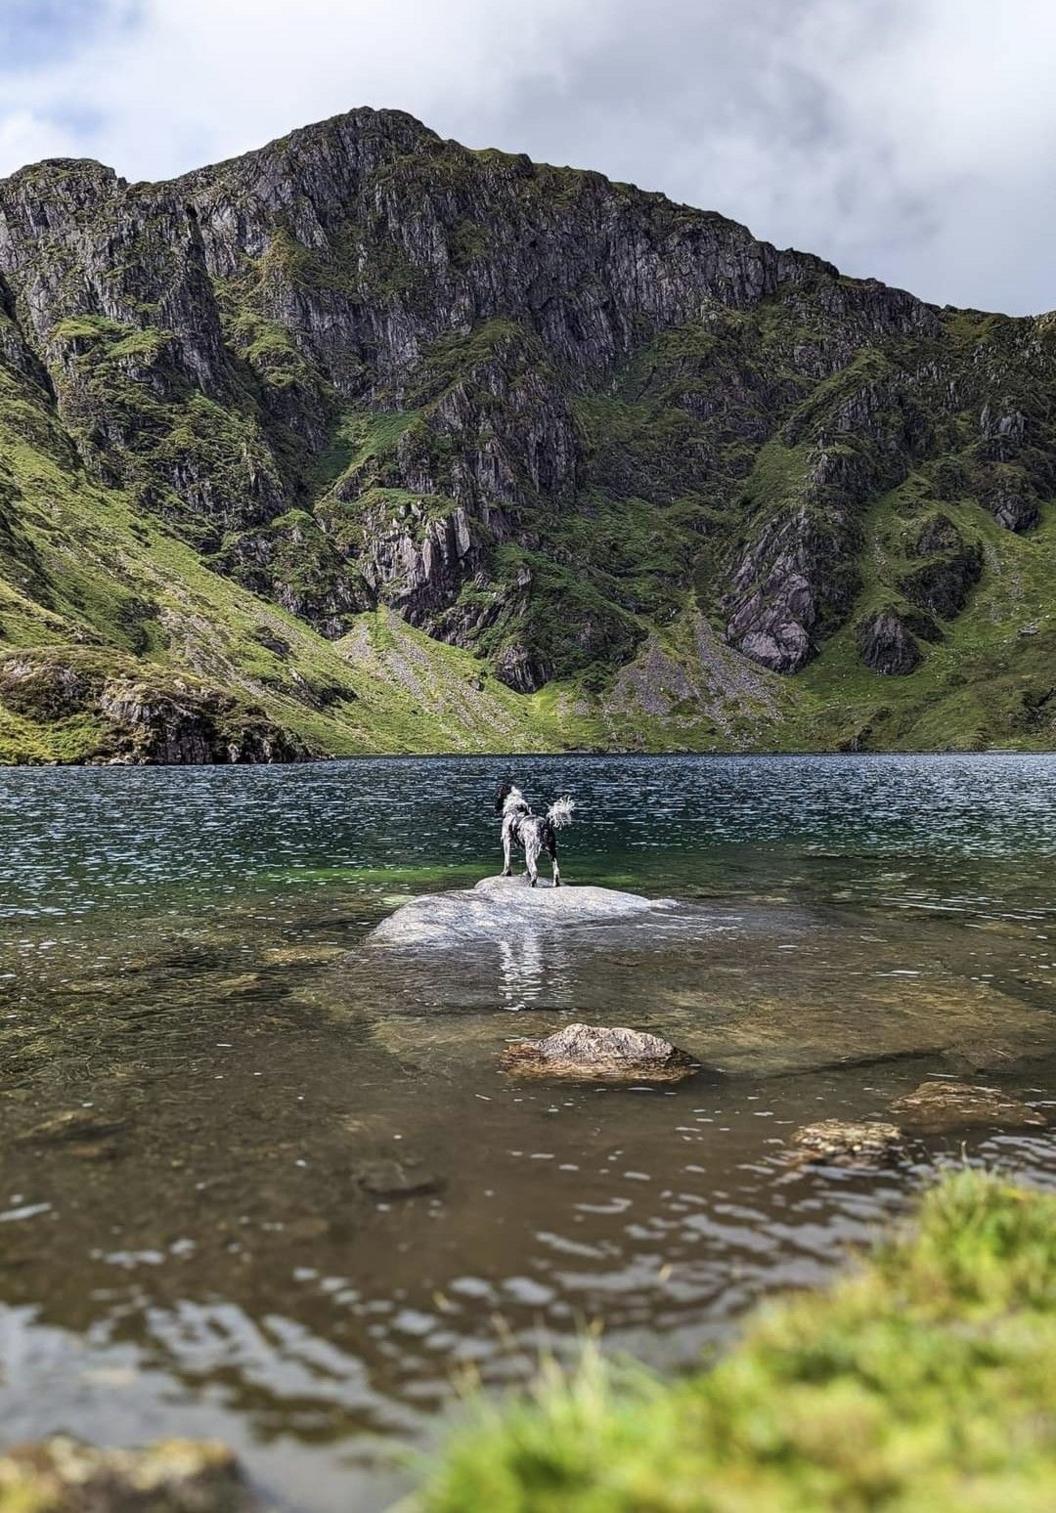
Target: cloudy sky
{"x": 914, "y": 140}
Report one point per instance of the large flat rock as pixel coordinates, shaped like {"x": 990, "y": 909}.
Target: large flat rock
{"x": 498, "y": 906}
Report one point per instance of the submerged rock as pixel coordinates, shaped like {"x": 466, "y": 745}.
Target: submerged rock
{"x": 841, "y": 1142}
{"x": 71, "y": 1127}
{"x": 937, "y": 1106}
{"x": 387, "y": 1178}
{"x": 499, "y": 904}
{"x": 1009, "y": 1057}
{"x": 63, "y": 1475}
{"x": 584, "y": 1050}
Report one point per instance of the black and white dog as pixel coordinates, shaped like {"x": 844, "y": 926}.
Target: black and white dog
{"x": 535, "y": 833}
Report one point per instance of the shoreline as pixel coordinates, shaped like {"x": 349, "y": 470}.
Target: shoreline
{"x": 599, "y": 753}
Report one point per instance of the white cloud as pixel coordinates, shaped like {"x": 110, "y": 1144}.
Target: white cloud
{"x": 910, "y": 139}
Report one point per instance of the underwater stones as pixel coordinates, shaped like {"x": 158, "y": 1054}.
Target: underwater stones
{"x": 388, "y": 1178}
{"x": 72, "y": 1127}
{"x": 497, "y": 905}
{"x": 775, "y": 1019}
{"x": 1009, "y": 1057}
{"x": 64, "y": 1475}
{"x": 843, "y": 1142}
{"x": 936, "y": 1106}
{"x": 609, "y": 1052}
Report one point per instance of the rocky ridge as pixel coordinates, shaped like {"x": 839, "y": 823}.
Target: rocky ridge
{"x": 589, "y": 438}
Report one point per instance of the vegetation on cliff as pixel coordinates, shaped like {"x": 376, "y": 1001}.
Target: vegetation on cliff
{"x": 394, "y": 445}
{"x": 920, "y": 1381}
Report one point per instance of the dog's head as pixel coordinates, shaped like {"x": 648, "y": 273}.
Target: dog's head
{"x": 510, "y": 800}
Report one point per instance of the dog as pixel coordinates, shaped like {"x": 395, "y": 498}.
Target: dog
{"x": 535, "y": 833}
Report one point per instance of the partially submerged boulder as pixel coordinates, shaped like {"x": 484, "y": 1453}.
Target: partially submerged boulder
{"x": 498, "y": 905}
{"x": 62, "y": 1475}
{"x": 611, "y": 1053}
{"x": 845, "y": 1142}
{"x": 936, "y": 1106}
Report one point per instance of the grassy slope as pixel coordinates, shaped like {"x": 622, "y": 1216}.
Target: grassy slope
{"x": 921, "y": 1382}
{"x": 393, "y": 688}
{"x": 84, "y": 578}
{"x": 87, "y": 572}
{"x": 986, "y": 683}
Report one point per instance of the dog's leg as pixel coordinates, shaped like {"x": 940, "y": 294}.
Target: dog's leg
{"x": 531, "y": 857}
{"x": 507, "y": 860}
{"x": 550, "y": 842}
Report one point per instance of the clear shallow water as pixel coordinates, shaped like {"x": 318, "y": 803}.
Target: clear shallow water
{"x": 182, "y": 964}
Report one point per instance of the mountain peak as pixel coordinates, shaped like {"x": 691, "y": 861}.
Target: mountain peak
{"x": 364, "y": 389}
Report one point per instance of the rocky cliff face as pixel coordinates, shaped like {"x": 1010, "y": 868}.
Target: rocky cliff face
{"x": 539, "y": 415}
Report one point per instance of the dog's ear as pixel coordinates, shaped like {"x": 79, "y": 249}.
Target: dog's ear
{"x": 500, "y": 795}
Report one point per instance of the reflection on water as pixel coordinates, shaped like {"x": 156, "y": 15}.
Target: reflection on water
{"x": 259, "y": 1182}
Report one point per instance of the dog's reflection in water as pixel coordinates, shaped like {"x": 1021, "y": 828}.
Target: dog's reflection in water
{"x": 532, "y": 973}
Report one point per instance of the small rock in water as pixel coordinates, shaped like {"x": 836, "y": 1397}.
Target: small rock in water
{"x": 842, "y": 1142}
{"x": 611, "y": 1052}
{"x": 1010, "y": 1058}
{"x": 64, "y": 1475}
{"x": 937, "y": 1106}
{"x": 386, "y": 1178}
{"x": 73, "y": 1125}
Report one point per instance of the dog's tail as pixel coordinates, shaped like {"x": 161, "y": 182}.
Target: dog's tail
{"x": 560, "y": 812}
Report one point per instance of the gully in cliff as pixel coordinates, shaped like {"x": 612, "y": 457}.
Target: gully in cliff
{"x": 534, "y": 833}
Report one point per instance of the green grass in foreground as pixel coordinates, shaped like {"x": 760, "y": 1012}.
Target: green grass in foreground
{"x": 923, "y": 1382}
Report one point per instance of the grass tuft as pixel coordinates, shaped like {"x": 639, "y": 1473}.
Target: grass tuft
{"x": 922, "y": 1381}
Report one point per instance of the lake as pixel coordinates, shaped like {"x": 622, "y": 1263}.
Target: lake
{"x": 208, "y": 1081}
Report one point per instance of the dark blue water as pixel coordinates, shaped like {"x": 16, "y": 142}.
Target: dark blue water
{"x": 77, "y": 840}
{"x": 201, "y": 1068}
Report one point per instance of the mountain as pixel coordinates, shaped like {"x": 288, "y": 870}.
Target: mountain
{"x": 367, "y": 441}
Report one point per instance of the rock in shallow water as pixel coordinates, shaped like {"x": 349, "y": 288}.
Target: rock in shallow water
{"x": 610, "y": 1052}
{"x": 937, "y": 1106}
{"x": 498, "y": 904}
{"x": 388, "y": 1178}
{"x": 174, "y": 1476}
{"x": 841, "y": 1142}
{"x": 71, "y": 1124}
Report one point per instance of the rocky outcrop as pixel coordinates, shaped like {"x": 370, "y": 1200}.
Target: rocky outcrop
{"x": 45, "y": 689}
{"x": 951, "y": 569}
{"x": 179, "y": 725}
{"x": 795, "y": 581}
{"x": 887, "y": 641}
{"x": 165, "y": 719}
{"x": 599, "y": 1051}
